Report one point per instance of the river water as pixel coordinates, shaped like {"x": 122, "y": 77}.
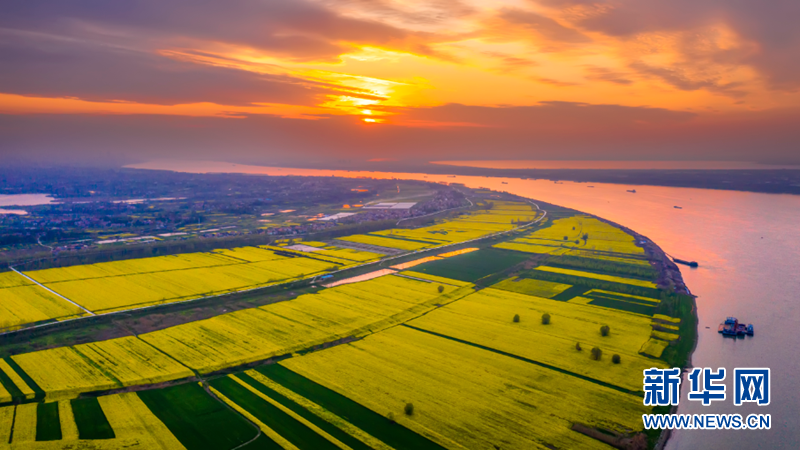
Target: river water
{"x": 748, "y": 247}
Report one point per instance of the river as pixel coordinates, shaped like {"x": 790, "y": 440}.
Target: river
{"x": 748, "y": 248}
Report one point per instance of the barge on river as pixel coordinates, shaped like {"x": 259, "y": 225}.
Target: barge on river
{"x": 732, "y": 327}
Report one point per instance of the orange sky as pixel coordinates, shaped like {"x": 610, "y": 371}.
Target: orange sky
{"x": 700, "y": 66}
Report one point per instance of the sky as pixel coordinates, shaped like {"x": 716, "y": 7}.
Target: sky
{"x": 314, "y": 81}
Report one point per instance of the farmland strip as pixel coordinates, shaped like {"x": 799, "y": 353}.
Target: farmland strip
{"x": 48, "y": 422}
{"x": 296, "y": 432}
{"x": 527, "y": 360}
{"x": 364, "y": 418}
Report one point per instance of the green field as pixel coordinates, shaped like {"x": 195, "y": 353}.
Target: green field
{"x": 472, "y": 266}
{"x": 196, "y": 419}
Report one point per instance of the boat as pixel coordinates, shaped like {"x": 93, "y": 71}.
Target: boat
{"x": 678, "y": 207}
{"x": 732, "y": 327}
{"x": 688, "y": 263}
{"x": 632, "y": 191}
{"x": 504, "y": 182}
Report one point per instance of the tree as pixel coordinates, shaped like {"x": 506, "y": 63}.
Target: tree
{"x": 516, "y": 318}
{"x": 604, "y": 330}
{"x": 585, "y": 238}
{"x": 578, "y": 346}
{"x": 597, "y": 353}
{"x": 545, "y": 319}
{"x": 409, "y": 409}
{"x": 615, "y": 359}
{"x": 390, "y": 416}
{"x": 440, "y": 288}
{"x": 566, "y": 238}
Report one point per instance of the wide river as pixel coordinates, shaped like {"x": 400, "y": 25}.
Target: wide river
{"x": 748, "y": 247}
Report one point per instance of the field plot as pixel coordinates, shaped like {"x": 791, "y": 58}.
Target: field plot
{"x": 113, "y": 286}
{"x": 341, "y": 418}
{"x": 281, "y": 425}
{"x": 472, "y": 266}
{"x": 530, "y": 286}
{"x": 598, "y": 276}
{"x": 485, "y": 319}
{"x": 259, "y": 333}
{"x": 434, "y": 278}
{"x": 28, "y": 304}
{"x": 565, "y": 236}
{"x": 503, "y": 216}
{"x": 12, "y": 279}
{"x": 465, "y": 397}
{"x": 198, "y": 421}
{"x": 65, "y": 372}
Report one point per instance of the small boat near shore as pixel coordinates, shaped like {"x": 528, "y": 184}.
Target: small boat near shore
{"x": 632, "y": 191}
{"x": 688, "y": 263}
{"x": 732, "y": 327}
{"x": 678, "y": 207}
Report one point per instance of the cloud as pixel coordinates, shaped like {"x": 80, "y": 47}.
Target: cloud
{"x": 46, "y": 67}
{"x": 515, "y": 24}
{"x": 603, "y": 74}
{"x": 296, "y": 29}
{"x": 762, "y": 35}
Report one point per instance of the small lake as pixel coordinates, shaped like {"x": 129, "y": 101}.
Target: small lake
{"x": 748, "y": 247}
{"x": 23, "y": 200}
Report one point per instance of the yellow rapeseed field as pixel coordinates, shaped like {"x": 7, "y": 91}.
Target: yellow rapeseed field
{"x": 12, "y": 279}
{"x": 539, "y": 288}
{"x": 602, "y": 237}
{"x": 65, "y": 372}
{"x": 465, "y": 397}
{"x": 255, "y": 334}
{"x": 131, "y": 290}
{"x": 69, "y": 429}
{"x": 654, "y": 347}
{"x": 385, "y": 242}
{"x": 485, "y": 318}
{"x": 25, "y": 423}
{"x": 22, "y": 305}
{"x": 504, "y": 216}
{"x": 6, "y": 422}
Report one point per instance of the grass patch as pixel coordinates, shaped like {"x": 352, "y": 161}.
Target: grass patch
{"x": 10, "y": 386}
{"x": 592, "y": 283}
{"x": 262, "y": 443}
{"x": 572, "y": 292}
{"x": 295, "y": 432}
{"x": 605, "y": 267}
{"x": 473, "y": 266}
{"x": 199, "y": 421}
{"x": 393, "y": 434}
{"x": 90, "y": 419}
{"x": 326, "y": 426}
{"x": 680, "y": 306}
{"x": 638, "y": 308}
{"x": 48, "y": 422}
